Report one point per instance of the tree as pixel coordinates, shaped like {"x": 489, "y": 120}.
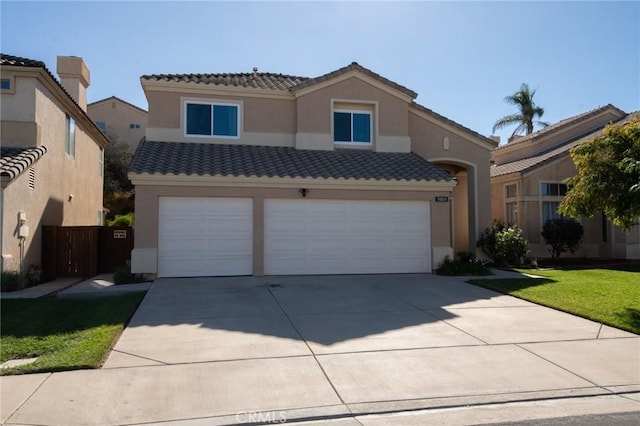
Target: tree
{"x": 117, "y": 157}
{"x": 563, "y": 235}
{"x": 525, "y": 119}
{"x": 608, "y": 176}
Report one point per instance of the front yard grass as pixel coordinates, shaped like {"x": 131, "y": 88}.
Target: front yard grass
{"x": 609, "y": 296}
{"x": 64, "y": 334}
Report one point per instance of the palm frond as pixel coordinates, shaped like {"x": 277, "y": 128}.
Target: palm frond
{"x": 507, "y": 121}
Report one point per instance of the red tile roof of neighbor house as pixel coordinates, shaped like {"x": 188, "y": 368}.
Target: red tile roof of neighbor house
{"x": 175, "y": 158}
{"x": 525, "y": 164}
{"x": 14, "y": 161}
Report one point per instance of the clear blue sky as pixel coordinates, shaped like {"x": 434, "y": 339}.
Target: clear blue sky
{"x": 462, "y": 58}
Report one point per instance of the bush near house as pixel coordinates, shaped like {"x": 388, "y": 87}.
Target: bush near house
{"x": 122, "y": 220}
{"x": 465, "y": 265}
{"x": 11, "y": 281}
{"x": 504, "y": 245}
{"x": 563, "y": 235}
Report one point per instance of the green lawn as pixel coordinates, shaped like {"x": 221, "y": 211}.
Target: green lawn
{"x": 609, "y": 296}
{"x": 65, "y": 334}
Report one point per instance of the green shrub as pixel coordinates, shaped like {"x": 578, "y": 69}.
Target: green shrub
{"x": 511, "y": 246}
{"x": 11, "y": 281}
{"x": 504, "y": 245}
{"x": 33, "y": 276}
{"x": 123, "y": 275}
{"x": 122, "y": 220}
{"x": 458, "y": 267}
{"x": 487, "y": 241}
{"x": 562, "y": 234}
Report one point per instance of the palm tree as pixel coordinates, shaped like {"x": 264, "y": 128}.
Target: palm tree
{"x": 523, "y": 98}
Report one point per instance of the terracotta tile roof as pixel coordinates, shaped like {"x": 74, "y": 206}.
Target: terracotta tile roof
{"x": 15, "y": 160}
{"x": 355, "y": 66}
{"x": 174, "y": 158}
{"x": 561, "y": 124}
{"x": 261, "y": 80}
{"x": 258, "y": 80}
{"x": 525, "y": 164}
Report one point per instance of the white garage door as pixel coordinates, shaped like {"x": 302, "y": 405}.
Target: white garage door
{"x": 205, "y": 237}
{"x": 346, "y": 237}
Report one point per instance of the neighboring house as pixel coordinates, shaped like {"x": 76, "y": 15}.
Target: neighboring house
{"x": 267, "y": 174}
{"x": 52, "y": 155}
{"x": 119, "y": 120}
{"x": 527, "y": 184}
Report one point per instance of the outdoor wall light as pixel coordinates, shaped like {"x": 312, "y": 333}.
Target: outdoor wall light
{"x": 303, "y": 191}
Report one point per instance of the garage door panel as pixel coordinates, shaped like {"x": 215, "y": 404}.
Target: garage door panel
{"x": 205, "y": 236}
{"x": 346, "y": 236}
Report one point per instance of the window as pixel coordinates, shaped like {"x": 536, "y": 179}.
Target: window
{"x": 209, "y": 119}
{"x": 512, "y": 213}
{"x": 70, "y": 138}
{"x": 550, "y": 211}
{"x": 100, "y": 217}
{"x": 101, "y": 162}
{"x": 511, "y": 191}
{"x": 102, "y": 126}
{"x": 5, "y": 84}
{"x": 134, "y": 126}
{"x": 352, "y": 127}
{"x": 553, "y": 189}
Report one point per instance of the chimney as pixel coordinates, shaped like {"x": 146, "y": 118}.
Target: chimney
{"x": 74, "y": 77}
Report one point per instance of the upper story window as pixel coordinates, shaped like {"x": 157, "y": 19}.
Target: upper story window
{"x": 70, "y": 136}
{"x": 212, "y": 119}
{"x": 101, "y": 162}
{"x": 553, "y": 189}
{"x": 102, "y": 126}
{"x": 5, "y": 84}
{"x": 511, "y": 191}
{"x": 352, "y": 127}
{"x": 134, "y": 126}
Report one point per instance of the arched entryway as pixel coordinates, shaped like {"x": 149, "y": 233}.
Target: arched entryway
{"x": 464, "y": 220}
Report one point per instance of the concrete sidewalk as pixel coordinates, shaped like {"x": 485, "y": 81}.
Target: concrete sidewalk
{"x": 372, "y": 350}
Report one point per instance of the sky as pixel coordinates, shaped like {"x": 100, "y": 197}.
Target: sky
{"x": 462, "y": 58}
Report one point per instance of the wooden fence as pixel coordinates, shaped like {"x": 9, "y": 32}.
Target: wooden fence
{"x": 84, "y": 251}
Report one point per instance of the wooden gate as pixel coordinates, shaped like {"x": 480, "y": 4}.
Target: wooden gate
{"x": 84, "y": 251}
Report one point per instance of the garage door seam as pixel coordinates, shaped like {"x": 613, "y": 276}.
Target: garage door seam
{"x": 315, "y": 358}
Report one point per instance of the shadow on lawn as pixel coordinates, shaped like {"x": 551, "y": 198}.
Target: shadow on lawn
{"x": 51, "y": 316}
{"x": 631, "y": 317}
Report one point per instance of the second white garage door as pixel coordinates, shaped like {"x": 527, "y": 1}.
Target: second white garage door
{"x": 205, "y": 237}
{"x": 346, "y": 237}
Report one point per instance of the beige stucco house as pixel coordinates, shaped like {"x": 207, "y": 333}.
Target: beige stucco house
{"x": 119, "y": 120}
{"x": 527, "y": 185}
{"x": 270, "y": 174}
{"x": 51, "y": 166}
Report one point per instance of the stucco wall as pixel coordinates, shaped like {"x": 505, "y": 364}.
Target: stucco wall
{"x": 118, "y": 116}
{"x": 440, "y": 144}
{"x": 57, "y": 176}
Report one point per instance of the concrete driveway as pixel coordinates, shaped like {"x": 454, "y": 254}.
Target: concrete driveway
{"x": 249, "y": 349}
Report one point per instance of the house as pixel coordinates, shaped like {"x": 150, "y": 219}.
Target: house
{"x": 527, "y": 184}
{"x": 270, "y": 174}
{"x": 51, "y": 166}
{"x": 119, "y": 120}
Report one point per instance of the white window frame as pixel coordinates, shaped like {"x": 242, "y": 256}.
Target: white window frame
{"x": 212, "y": 104}
{"x": 101, "y": 162}
{"x": 352, "y": 142}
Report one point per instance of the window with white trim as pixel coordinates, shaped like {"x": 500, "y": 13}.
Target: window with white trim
{"x": 552, "y": 194}
{"x": 101, "y": 162}
{"x": 208, "y": 119}
{"x": 70, "y": 136}
{"x": 352, "y": 126}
